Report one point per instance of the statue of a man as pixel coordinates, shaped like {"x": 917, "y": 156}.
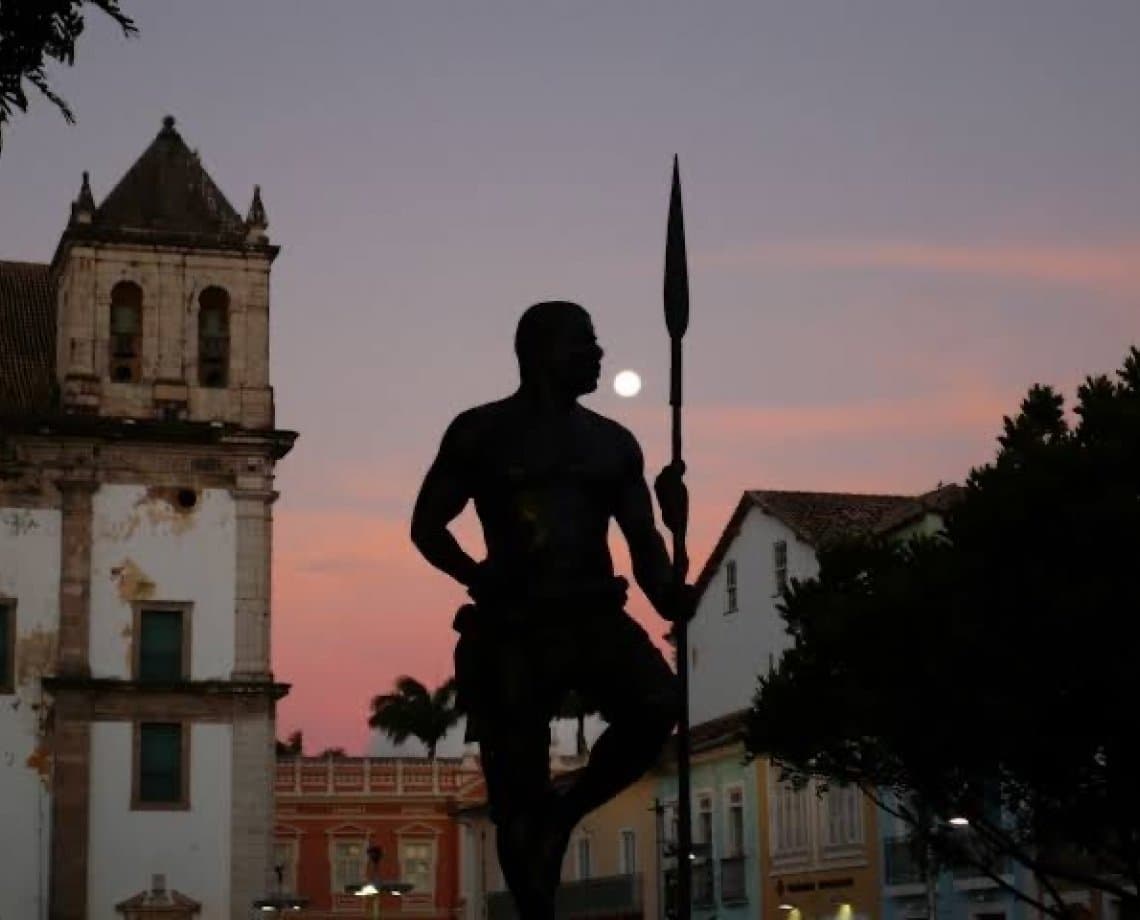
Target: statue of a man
{"x": 546, "y": 476}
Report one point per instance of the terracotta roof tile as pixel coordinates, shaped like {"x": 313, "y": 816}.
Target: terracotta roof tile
{"x": 27, "y": 337}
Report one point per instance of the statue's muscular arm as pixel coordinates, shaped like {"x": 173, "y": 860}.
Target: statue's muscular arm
{"x": 442, "y": 497}
{"x": 634, "y": 513}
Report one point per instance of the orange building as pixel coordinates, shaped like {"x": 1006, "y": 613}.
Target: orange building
{"x": 331, "y": 814}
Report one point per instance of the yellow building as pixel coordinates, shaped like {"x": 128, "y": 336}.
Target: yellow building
{"x": 820, "y": 859}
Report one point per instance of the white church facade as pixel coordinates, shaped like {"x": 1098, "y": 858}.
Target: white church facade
{"x": 137, "y": 455}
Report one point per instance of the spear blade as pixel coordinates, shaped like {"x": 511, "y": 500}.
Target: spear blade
{"x": 676, "y": 263}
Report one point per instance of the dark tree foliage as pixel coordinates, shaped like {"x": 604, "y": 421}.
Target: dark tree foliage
{"x": 34, "y": 33}
{"x": 293, "y": 746}
{"x": 990, "y": 671}
{"x": 414, "y": 711}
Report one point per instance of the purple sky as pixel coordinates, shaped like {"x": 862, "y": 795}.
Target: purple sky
{"x": 900, "y": 215}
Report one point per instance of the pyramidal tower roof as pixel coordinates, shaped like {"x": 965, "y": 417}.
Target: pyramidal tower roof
{"x": 166, "y": 197}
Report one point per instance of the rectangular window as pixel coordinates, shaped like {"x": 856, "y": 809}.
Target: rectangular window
{"x": 842, "y": 818}
{"x": 347, "y": 865}
{"x": 417, "y": 865}
{"x": 628, "y": 843}
{"x": 780, "y": 560}
{"x": 669, "y": 820}
{"x": 790, "y": 825}
{"x": 702, "y": 828}
{"x": 730, "y": 586}
{"x": 734, "y": 824}
{"x": 7, "y": 646}
{"x": 585, "y": 869}
{"x": 161, "y": 645}
{"x": 160, "y": 775}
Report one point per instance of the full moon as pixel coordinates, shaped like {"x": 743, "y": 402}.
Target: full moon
{"x": 627, "y": 383}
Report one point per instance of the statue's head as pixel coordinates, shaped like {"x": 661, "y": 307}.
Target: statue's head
{"x": 556, "y": 346}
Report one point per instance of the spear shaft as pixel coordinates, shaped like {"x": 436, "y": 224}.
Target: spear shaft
{"x": 676, "y": 298}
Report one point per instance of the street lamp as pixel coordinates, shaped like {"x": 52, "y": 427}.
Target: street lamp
{"x": 279, "y": 901}
{"x": 375, "y": 887}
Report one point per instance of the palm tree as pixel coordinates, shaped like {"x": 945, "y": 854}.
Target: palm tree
{"x": 414, "y": 711}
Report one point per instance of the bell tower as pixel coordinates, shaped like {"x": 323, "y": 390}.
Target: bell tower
{"x": 163, "y": 297}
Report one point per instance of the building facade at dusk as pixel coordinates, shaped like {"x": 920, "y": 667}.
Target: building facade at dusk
{"x": 137, "y": 456}
{"x": 332, "y": 813}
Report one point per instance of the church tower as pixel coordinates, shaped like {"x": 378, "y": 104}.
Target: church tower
{"x": 137, "y": 456}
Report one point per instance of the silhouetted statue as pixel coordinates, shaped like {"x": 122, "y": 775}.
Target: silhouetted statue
{"x": 546, "y": 476}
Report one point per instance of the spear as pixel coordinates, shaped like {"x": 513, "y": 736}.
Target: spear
{"x": 676, "y": 298}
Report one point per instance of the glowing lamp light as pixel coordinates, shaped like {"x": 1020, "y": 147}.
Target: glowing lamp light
{"x": 959, "y": 821}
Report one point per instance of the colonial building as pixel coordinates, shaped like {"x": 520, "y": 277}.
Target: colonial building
{"x": 344, "y": 822}
{"x": 137, "y": 456}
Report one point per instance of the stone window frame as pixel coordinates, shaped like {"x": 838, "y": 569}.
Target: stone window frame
{"x": 291, "y": 842}
{"x": 8, "y": 652}
{"x": 182, "y": 803}
{"x": 186, "y": 609}
{"x": 136, "y": 362}
{"x": 225, "y": 304}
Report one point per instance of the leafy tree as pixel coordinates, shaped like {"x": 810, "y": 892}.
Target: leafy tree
{"x": 34, "y": 33}
{"x": 293, "y": 746}
{"x": 333, "y": 753}
{"x": 989, "y": 671}
{"x": 414, "y": 711}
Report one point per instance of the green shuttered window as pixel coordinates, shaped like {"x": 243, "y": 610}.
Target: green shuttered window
{"x": 160, "y": 779}
{"x": 160, "y": 645}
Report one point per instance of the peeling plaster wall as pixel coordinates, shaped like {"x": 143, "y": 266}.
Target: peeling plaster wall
{"x": 191, "y": 847}
{"x": 146, "y": 547}
{"x": 29, "y": 574}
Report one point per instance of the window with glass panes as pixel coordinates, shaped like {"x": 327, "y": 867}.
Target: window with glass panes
{"x": 213, "y": 337}
{"x": 702, "y": 829}
{"x": 734, "y": 823}
{"x": 628, "y": 843}
{"x": 283, "y": 865}
{"x": 842, "y": 819}
{"x": 126, "y": 332}
{"x": 780, "y": 564}
{"x": 790, "y": 824}
{"x": 7, "y": 646}
{"x": 417, "y": 865}
{"x": 160, "y": 768}
{"x": 347, "y": 864}
{"x": 585, "y": 864}
{"x": 730, "y": 586}
{"x": 161, "y": 644}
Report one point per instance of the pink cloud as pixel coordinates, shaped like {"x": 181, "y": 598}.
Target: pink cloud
{"x": 1113, "y": 267}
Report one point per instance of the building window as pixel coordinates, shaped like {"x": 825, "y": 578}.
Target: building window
{"x": 162, "y": 649}
{"x": 627, "y": 842}
{"x": 126, "y": 332}
{"x": 213, "y": 337}
{"x": 780, "y": 560}
{"x": 161, "y": 780}
{"x": 347, "y": 865}
{"x": 582, "y": 851}
{"x": 285, "y": 865}
{"x": 417, "y": 865}
{"x": 702, "y": 827}
{"x": 669, "y": 825}
{"x": 730, "y": 586}
{"x": 790, "y": 820}
{"x": 842, "y": 824}
{"x": 7, "y": 646}
{"x": 734, "y": 823}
